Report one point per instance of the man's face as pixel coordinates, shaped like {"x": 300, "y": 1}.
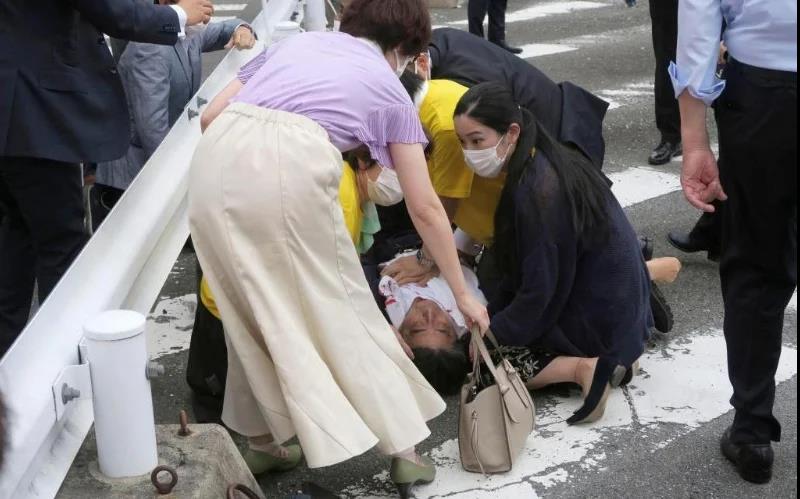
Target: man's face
{"x": 426, "y": 325}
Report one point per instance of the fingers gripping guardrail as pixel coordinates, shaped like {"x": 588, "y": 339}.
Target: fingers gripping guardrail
{"x": 46, "y": 388}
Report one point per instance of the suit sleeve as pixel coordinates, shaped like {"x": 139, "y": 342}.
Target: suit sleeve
{"x": 216, "y": 35}
{"x": 149, "y": 94}
{"x": 132, "y": 20}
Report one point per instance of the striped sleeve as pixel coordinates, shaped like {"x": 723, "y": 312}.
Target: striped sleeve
{"x": 248, "y": 70}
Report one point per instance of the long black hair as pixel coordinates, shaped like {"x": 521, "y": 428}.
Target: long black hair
{"x": 581, "y": 184}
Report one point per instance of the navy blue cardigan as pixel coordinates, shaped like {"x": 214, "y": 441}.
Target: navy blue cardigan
{"x": 569, "y": 297}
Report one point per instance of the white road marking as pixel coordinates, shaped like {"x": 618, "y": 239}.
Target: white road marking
{"x": 626, "y": 95}
{"x": 229, "y": 7}
{"x": 635, "y": 185}
{"x": 544, "y": 10}
{"x": 685, "y": 384}
{"x": 169, "y": 326}
{"x": 532, "y": 50}
{"x": 219, "y": 19}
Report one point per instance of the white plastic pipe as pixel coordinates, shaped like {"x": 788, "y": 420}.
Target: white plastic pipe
{"x": 315, "y": 16}
{"x": 123, "y": 404}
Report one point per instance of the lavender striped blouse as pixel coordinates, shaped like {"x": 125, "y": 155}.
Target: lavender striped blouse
{"x": 342, "y": 83}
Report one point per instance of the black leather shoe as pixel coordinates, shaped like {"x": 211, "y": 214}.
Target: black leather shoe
{"x": 664, "y": 153}
{"x": 662, "y": 313}
{"x": 753, "y": 461}
{"x": 646, "y": 245}
{"x": 683, "y": 242}
{"x": 505, "y": 46}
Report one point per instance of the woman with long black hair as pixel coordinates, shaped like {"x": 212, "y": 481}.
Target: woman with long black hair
{"x": 565, "y": 276}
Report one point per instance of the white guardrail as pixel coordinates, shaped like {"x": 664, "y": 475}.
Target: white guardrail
{"x": 123, "y": 266}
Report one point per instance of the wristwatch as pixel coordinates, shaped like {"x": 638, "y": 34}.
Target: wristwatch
{"x": 423, "y": 259}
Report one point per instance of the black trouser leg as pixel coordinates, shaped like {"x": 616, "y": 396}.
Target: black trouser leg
{"x": 103, "y": 198}
{"x": 757, "y": 119}
{"x": 41, "y": 235}
{"x": 664, "y": 17}
{"x": 476, "y": 13}
{"x": 497, "y": 20}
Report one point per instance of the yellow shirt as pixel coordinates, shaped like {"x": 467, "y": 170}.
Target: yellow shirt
{"x": 353, "y": 218}
{"x": 450, "y": 175}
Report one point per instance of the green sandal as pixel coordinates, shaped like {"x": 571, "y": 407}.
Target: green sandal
{"x": 405, "y": 474}
{"x": 263, "y": 462}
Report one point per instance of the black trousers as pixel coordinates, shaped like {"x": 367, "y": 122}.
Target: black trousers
{"x": 476, "y": 13}
{"x": 664, "y": 17}
{"x": 41, "y": 234}
{"x": 757, "y": 119}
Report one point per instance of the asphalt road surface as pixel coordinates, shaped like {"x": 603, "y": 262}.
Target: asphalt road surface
{"x": 659, "y": 437}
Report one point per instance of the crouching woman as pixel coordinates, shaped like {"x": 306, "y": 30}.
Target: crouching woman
{"x": 566, "y": 277}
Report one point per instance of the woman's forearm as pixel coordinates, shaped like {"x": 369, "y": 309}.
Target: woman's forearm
{"x": 219, "y": 103}
{"x": 427, "y": 213}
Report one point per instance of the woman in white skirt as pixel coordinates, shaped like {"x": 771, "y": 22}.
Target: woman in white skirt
{"x": 309, "y": 352}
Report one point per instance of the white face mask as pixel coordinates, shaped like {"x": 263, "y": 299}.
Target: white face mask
{"x": 385, "y": 191}
{"x": 485, "y": 162}
{"x": 401, "y": 67}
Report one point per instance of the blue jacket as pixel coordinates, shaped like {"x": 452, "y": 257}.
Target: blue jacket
{"x": 567, "y": 111}
{"x": 60, "y": 94}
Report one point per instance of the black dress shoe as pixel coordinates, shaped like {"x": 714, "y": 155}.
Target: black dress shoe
{"x": 505, "y": 46}
{"x": 753, "y": 461}
{"x": 664, "y": 152}
{"x": 646, "y": 245}
{"x": 683, "y": 242}
{"x": 662, "y": 313}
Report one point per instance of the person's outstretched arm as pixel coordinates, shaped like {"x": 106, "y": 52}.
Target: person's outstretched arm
{"x": 431, "y": 222}
{"x": 139, "y": 21}
{"x": 219, "y": 103}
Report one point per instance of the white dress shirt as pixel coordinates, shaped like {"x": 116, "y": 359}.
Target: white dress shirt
{"x": 400, "y": 298}
{"x": 182, "y": 18}
{"x": 761, "y": 33}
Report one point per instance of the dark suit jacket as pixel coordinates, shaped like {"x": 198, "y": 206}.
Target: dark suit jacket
{"x": 60, "y": 95}
{"x": 568, "y": 112}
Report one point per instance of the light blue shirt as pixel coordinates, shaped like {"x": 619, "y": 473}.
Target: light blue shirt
{"x": 761, "y": 33}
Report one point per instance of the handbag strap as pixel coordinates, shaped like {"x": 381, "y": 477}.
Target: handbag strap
{"x": 473, "y": 441}
{"x": 480, "y": 347}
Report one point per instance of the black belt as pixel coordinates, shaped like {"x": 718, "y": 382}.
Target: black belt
{"x": 774, "y": 75}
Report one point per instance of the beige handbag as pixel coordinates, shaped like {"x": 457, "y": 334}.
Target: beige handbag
{"x": 494, "y": 421}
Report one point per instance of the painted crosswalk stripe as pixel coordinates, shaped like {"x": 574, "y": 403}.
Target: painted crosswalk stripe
{"x": 634, "y": 185}
{"x": 682, "y": 386}
{"x": 532, "y": 50}
{"x": 229, "y": 7}
{"x": 545, "y": 10}
{"x": 628, "y": 94}
{"x": 219, "y": 19}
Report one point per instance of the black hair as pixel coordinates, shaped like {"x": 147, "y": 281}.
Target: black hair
{"x": 412, "y": 82}
{"x": 444, "y": 368}
{"x": 584, "y": 188}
